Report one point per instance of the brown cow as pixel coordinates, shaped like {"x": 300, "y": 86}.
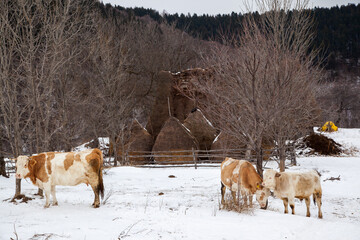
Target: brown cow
{"x": 46, "y": 170}
{"x": 290, "y": 185}
{"x": 241, "y": 173}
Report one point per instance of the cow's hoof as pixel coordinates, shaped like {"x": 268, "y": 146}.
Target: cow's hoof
{"x": 47, "y": 206}
{"x": 96, "y": 205}
{"x": 55, "y": 204}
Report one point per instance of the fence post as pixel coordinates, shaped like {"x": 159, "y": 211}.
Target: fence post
{"x": 194, "y": 158}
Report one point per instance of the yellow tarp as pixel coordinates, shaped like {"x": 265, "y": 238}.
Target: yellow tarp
{"x": 329, "y": 126}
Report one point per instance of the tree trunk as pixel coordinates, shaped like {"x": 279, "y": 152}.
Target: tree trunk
{"x": 2, "y": 167}
{"x": 259, "y": 161}
{"x": 248, "y": 152}
{"x": 282, "y": 157}
{"x": 17, "y": 188}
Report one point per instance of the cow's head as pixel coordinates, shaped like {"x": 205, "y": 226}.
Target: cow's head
{"x": 262, "y": 194}
{"x": 269, "y": 179}
{"x": 23, "y": 166}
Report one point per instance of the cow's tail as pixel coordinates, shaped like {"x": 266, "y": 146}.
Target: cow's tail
{"x": 100, "y": 187}
{"x": 314, "y": 198}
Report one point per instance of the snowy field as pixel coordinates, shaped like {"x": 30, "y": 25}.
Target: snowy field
{"x": 145, "y": 203}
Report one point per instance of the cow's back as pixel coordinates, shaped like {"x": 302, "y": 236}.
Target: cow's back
{"x": 300, "y": 185}
{"x": 227, "y": 169}
{"x": 73, "y": 168}
{"x": 233, "y": 170}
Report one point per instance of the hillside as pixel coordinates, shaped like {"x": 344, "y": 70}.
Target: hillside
{"x": 337, "y": 28}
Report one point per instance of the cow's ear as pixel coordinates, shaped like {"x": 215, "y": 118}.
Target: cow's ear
{"x": 277, "y": 175}
{"x": 32, "y": 162}
{"x": 258, "y": 186}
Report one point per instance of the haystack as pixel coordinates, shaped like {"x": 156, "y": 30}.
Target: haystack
{"x": 160, "y": 110}
{"x": 174, "y": 137}
{"x": 201, "y": 129}
{"x": 182, "y": 106}
{"x": 140, "y": 140}
{"x": 183, "y": 85}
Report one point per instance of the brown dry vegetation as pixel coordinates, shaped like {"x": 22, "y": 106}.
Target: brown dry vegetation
{"x": 322, "y": 144}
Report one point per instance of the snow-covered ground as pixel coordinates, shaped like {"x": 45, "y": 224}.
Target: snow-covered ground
{"x": 144, "y": 203}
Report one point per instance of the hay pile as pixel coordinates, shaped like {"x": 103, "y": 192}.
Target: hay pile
{"x": 140, "y": 140}
{"x": 322, "y": 144}
{"x": 201, "y": 129}
{"x": 160, "y": 110}
{"x": 184, "y": 84}
{"x": 174, "y": 137}
{"x": 182, "y": 106}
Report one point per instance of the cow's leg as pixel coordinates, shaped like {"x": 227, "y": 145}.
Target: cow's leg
{"x": 233, "y": 194}
{"x": 244, "y": 196}
{"x": 55, "y": 202}
{"x": 307, "y": 201}
{"x": 285, "y": 200}
{"x": 318, "y": 202}
{"x": 223, "y": 189}
{"x": 250, "y": 200}
{"x": 96, "y": 203}
{"x": 292, "y": 205}
{"x": 47, "y": 189}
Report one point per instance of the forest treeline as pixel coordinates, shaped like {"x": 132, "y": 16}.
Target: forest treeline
{"x": 337, "y": 28}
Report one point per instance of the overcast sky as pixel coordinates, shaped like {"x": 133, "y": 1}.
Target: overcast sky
{"x": 212, "y": 7}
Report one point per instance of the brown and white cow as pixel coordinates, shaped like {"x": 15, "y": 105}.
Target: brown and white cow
{"x": 46, "y": 170}
{"x": 290, "y": 185}
{"x": 242, "y": 173}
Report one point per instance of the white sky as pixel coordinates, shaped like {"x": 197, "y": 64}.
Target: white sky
{"x": 211, "y": 7}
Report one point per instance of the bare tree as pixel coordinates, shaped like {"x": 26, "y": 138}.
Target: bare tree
{"x": 50, "y": 31}
{"x": 112, "y": 90}
{"x": 264, "y": 78}
{"x": 14, "y": 110}
{"x": 293, "y": 72}
{"x": 39, "y": 40}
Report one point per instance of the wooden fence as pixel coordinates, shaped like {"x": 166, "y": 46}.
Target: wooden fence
{"x": 200, "y": 157}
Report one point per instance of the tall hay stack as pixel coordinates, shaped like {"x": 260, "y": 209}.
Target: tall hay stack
{"x": 174, "y": 137}
{"x": 160, "y": 110}
{"x": 139, "y": 141}
{"x": 201, "y": 129}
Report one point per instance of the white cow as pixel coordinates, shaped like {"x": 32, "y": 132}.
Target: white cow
{"x": 290, "y": 185}
{"x": 46, "y": 170}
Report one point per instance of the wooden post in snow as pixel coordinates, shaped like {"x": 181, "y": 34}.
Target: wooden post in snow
{"x": 194, "y": 158}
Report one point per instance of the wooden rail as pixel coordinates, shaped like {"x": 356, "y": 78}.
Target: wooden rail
{"x": 197, "y": 158}
{"x": 200, "y": 157}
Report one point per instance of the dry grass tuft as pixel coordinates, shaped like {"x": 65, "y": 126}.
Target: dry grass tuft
{"x": 240, "y": 207}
